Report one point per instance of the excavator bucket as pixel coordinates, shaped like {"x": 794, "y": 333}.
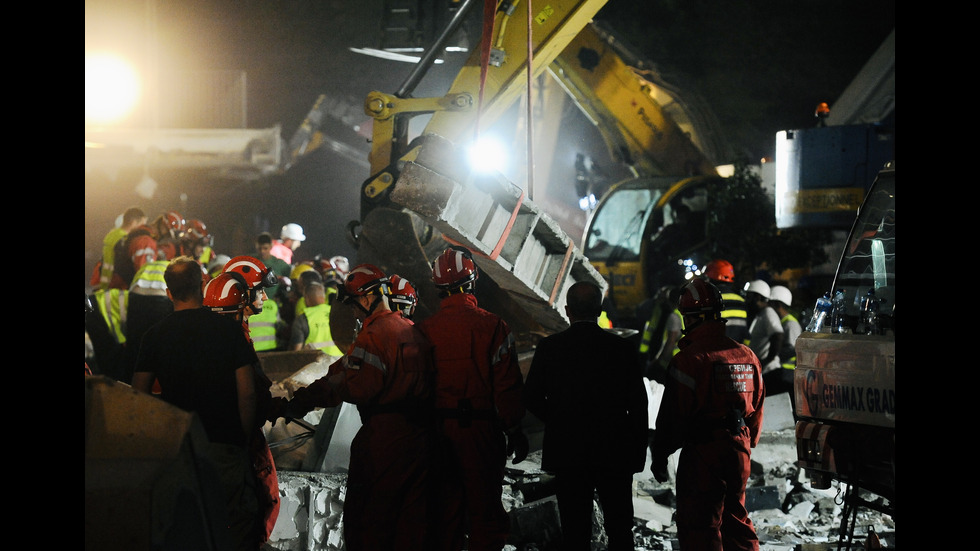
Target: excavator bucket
{"x": 529, "y": 259}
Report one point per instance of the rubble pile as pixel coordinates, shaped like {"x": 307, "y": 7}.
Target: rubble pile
{"x": 788, "y": 514}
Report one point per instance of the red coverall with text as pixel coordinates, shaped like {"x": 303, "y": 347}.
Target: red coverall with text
{"x": 387, "y": 373}
{"x": 711, "y": 383}
{"x": 478, "y": 397}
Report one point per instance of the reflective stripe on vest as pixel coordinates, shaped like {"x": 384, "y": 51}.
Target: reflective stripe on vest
{"x": 149, "y": 280}
{"x": 734, "y": 306}
{"x": 648, "y": 328}
{"x": 318, "y": 319}
{"x": 113, "y": 304}
{"x": 648, "y": 332}
{"x": 262, "y": 327}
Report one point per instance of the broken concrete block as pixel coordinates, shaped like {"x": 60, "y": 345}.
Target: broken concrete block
{"x": 536, "y": 523}
{"x": 655, "y": 515}
{"x": 802, "y": 510}
{"x": 311, "y": 511}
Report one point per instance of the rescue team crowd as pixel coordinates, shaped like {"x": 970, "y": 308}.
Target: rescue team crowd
{"x": 441, "y": 400}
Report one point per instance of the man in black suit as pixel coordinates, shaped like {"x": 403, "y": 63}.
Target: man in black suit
{"x": 586, "y": 385}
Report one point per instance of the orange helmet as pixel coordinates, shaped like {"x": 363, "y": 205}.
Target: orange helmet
{"x": 227, "y": 293}
{"x": 720, "y": 270}
{"x": 403, "y": 295}
{"x": 454, "y": 268}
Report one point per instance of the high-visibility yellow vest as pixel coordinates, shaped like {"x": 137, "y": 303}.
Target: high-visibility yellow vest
{"x": 649, "y": 326}
{"x": 262, "y": 327}
{"x": 149, "y": 279}
{"x": 206, "y": 256}
{"x": 113, "y": 305}
{"x": 109, "y": 255}
{"x": 734, "y": 306}
{"x": 647, "y": 338}
{"x": 318, "y": 318}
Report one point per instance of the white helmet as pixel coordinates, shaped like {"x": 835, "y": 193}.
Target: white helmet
{"x": 781, "y": 294}
{"x": 758, "y": 286}
{"x": 292, "y": 231}
{"x": 218, "y": 263}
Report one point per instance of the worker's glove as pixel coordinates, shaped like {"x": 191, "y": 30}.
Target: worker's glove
{"x": 659, "y": 468}
{"x": 277, "y": 409}
{"x": 299, "y": 406}
{"x": 517, "y": 445}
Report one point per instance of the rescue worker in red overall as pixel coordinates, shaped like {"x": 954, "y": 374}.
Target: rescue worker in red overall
{"x": 479, "y": 407}
{"x": 256, "y": 277}
{"x": 388, "y": 374}
{"x": 712, "y": 411}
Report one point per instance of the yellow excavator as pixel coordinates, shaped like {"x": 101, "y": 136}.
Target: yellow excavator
{"x": 422, "y": 195}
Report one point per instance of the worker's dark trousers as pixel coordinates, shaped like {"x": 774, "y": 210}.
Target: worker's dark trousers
{"x": 469, "y": 484}
{"x": 711, "y": 478}
{"x": 387, "y": 486}
{"x": 575, "y": 491}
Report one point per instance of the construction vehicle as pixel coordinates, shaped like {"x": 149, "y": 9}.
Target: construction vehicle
{"x": 669, "y": 142}
{"x": 421, "y": 195}
{"x": 844, "y": 380}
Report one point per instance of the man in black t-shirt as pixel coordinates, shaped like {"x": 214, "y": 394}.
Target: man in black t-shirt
{"x": 203, "y": 362}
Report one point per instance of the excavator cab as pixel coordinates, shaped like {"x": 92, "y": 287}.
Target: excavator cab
{"x": 646, "y": 233}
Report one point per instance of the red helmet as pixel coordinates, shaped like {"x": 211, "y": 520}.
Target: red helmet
{"x": 175, "y": 221}
{"x": 720, "y": 270}
{"x": 403, "y": 295}
{"x": 227, "y": 293}
{"x": 454, "y": 268}
{"x": 196, "y": 231}
{"x": 700, "y": 297}
{"x": 366, "y": 279}
{"x": 196, "y": 228}
{"x": 253, "y": 271}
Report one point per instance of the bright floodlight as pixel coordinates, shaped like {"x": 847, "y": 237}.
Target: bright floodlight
{"x": 111, "y": 88}
{"x": 487, "y": 155}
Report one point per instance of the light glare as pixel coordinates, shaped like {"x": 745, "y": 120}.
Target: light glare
{"x": 487, "y": 155}
{"x": 111, "y": 88}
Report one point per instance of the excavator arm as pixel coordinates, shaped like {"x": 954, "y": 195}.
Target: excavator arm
{"x": 640, "y": 121}
{"x": 421, "y": 196}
